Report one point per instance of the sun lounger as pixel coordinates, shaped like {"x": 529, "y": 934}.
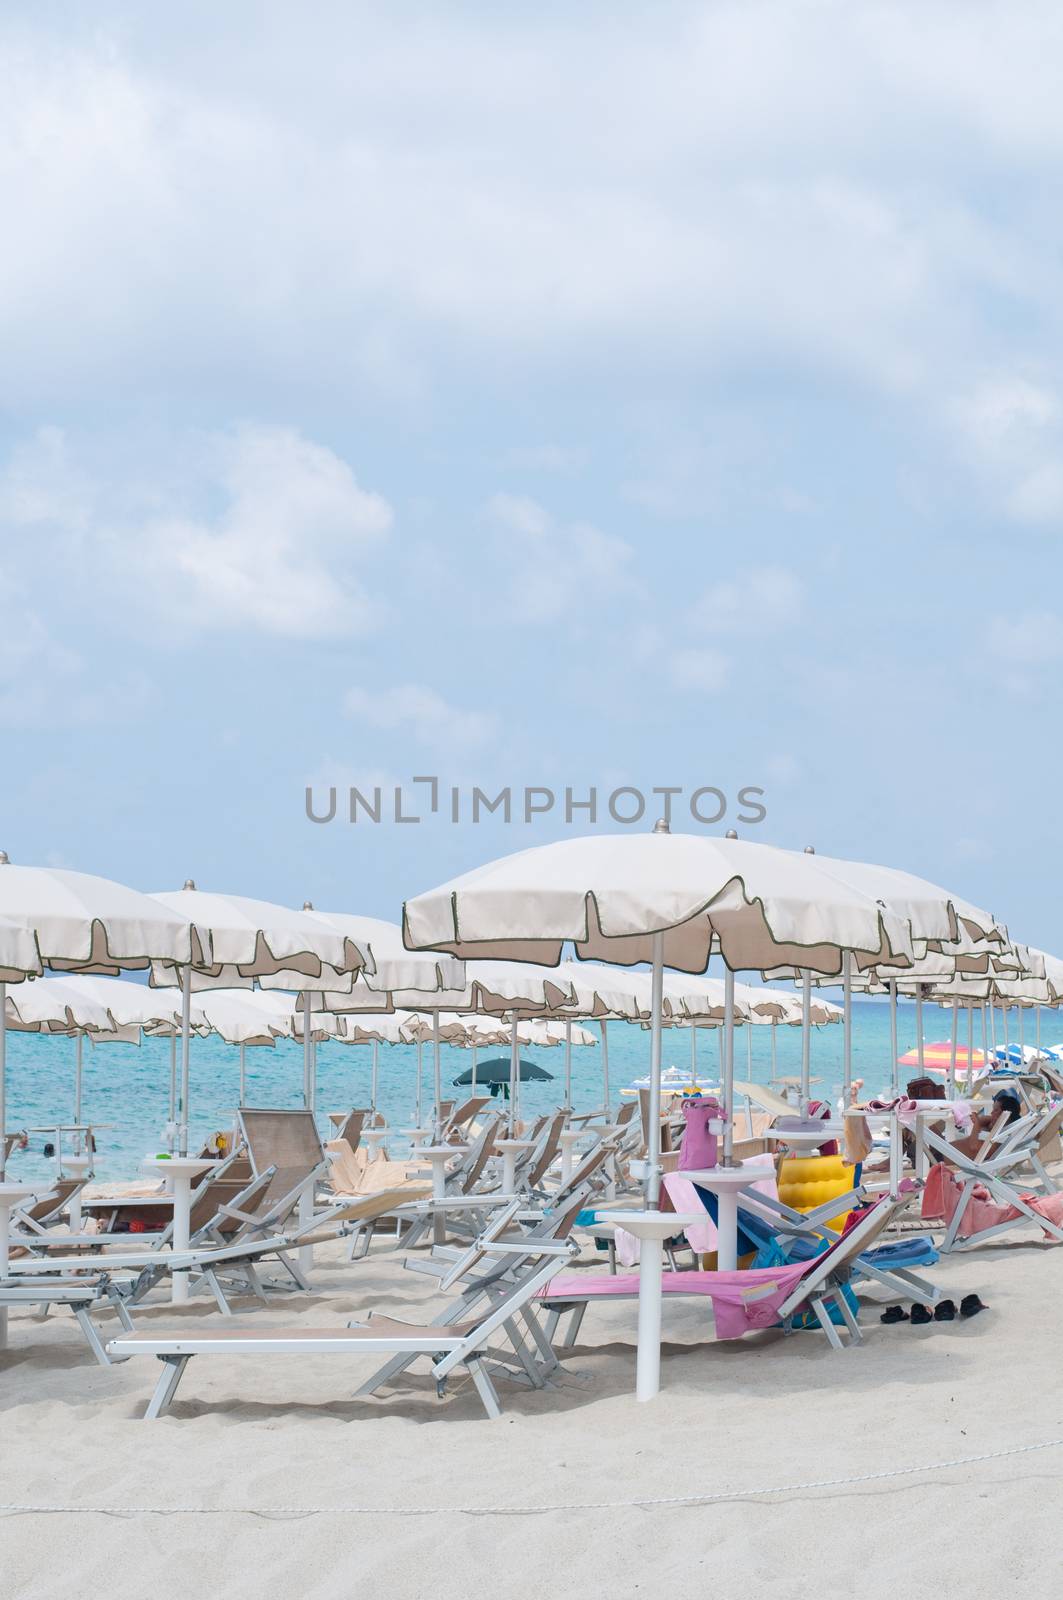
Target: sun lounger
{"x": 447, "y": 1346}
{"x": 742, "y": 1301}
{"x": 980, "y": 1197}
{"x": 82, "y": 1296}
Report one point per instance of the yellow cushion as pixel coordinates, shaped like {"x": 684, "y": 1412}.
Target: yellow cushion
{"x": 806, "y": 1182}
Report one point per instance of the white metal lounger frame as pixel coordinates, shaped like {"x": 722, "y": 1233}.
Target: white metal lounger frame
{"x": 468, "y": 1347}
{"x": 81, "y": 1297}
{"x": 997, "y": 1173}
{"x": 820, "y": 1287}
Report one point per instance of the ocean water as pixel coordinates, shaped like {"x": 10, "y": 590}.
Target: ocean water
{"x": 126, "y": 1087}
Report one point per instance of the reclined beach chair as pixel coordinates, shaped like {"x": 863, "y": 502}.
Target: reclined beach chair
{"x": 448, "y": 1346}
{"x": 81, "y": 1295}
{"x": 982, "y": 1196}
{"x": 744, "y": 1301}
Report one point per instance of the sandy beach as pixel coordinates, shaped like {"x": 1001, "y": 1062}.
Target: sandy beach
{"x": 269, "y": 1477}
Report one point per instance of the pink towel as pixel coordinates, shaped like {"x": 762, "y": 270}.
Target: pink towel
{"x": 735, "y": 1311}
{"x": 944, "y": 1189}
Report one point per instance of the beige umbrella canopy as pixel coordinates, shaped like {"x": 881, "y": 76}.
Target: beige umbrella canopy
{"x": 253, "y": 940}
{"x": 56, "y": 1005}
{"x": 18, "y": 952}
{"x": 389, "y": 966}
{"x": 674, "y": 900}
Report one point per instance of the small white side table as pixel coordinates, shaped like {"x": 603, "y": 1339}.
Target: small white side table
{"x": 179, "y": 1172}
{"x": 727, "y": 1184}
{"x": 568, "y": 1140}
{"x": 510, "y": 1149}
{"x": 651, "y": 1228}
{"x": 439, "y": 1155}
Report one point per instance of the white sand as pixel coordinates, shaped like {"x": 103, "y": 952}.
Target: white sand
{"x": 274, "y": 1435}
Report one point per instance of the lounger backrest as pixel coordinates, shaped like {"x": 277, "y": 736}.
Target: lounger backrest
{"x": 859, "y": 1238}
{"x": 480, "y": 1154}
{"x": 544, "y": 1156}
{"x": 351, "y": 1128}
{"x": 288, "y": 1146}
{"x": 55, "y": 1201}
{"x": 467, "y": 1112}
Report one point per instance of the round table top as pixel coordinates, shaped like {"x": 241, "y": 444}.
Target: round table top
{"x": 11, "y": 1192}
{"x": 651, "y": 1224}
{"x": 514, "y": 1144}
{"x": 436, "y": 1151}
{"x": 179, "y": 1166}
{"x": 727, "y": 1177}
{"x": 807, "y": 1138}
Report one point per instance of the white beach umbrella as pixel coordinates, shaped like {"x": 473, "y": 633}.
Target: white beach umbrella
{"x": 76, "y": 921}
{"x": 673, "y": 900}
{"x": 254, "y": 939}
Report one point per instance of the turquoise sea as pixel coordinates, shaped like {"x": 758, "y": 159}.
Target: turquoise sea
{"x": 126, "y": 1087}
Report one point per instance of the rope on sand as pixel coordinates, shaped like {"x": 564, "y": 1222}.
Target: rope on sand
{"x": 645, "y": 1502}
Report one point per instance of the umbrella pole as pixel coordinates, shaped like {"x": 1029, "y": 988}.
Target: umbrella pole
{"x": 985, "y": 1042}
{"x": 728, "y": 1063}
{"x": 749, "y": 1049}
{"x": 78, "y": 1065}
{"x": 774, "y": 1063}
{"x": 847, "y": 1027}
{"x": 420, "y": 1073}
{"x": 893, "y": 1038}
{"x": 919, "y": 1029}
{"x": 173, "y": 1087}
{"x": 806, "y": 1041}
{"x": 376, "y": 1076}
{"x": 970, "y": 1047}
{"x": 1022, "y": 1037}
{"x": 182, "y": 1109}
{"x": 605, "y": 1063}
{"x": 474, "y": 1056}
{"x": 992, "y": 1022}
{"x": 651, "y": 1256}
{"x": 952, "y": 1052}
{"x": 243, "y": 1074}
{"x": 514, "y": 1074}
{"x": 693, "y": 1055}
{"x": 1004, "y": 1019}
{"x": 308, "y": 1068}
{"x": 437, "y": 1080}
{"x": 1037, "y": 1018}
{"x": 568, "y": 1065}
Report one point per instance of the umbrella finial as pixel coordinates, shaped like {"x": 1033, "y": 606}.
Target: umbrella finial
{"x": 661, "y": 826}
{"x": 308, "y": 905}
{"x": 810, "y": 849}
{"x": 189, "y": 883}
{"x": 732, "y": 833}
{"x": 5, "y": 859}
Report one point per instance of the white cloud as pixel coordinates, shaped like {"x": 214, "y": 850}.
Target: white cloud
{"x": 283, "y": 553}
{"x": 555, "y": 568}
{"x": 1033, "y": 638}
{"x": 753, "y": 600}
{"x": 1011, "y": 428}
{"x": 282, "y": 549}
{"x": 702, "y": 670}
{"x": 423, "y": 713}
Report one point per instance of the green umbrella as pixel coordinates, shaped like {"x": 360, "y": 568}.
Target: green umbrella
{"x": 495, "y": 1074}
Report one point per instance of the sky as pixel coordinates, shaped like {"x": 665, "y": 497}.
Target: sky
{"x": 606, "y": 396}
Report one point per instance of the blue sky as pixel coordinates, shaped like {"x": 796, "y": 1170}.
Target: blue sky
{"x": 568, "y": 395}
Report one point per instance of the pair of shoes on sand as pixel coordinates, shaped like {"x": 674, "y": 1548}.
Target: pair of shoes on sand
{"x": 944, "y": 1311}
